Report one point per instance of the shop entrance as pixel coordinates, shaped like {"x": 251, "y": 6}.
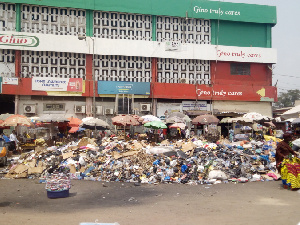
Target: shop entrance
{"x": 7, "y": 104}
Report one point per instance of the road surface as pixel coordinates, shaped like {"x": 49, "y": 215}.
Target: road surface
{"x": 24, "y": 201}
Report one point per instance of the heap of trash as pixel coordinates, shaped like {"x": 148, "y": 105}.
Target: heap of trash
{"x": 192, "y": 161}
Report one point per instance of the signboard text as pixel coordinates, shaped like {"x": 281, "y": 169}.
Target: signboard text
{"x": 19, "y": 40}
{"x": 198, "y": 9}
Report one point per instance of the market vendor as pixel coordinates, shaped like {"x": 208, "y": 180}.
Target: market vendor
{"x": 283, "y": 150}
{"x": 4, "y": 137}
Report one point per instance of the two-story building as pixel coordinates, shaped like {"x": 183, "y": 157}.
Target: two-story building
{"x": 131, "y": 56}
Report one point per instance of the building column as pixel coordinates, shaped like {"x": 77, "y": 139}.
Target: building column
{"x": 88, "y": 106}
{"x": 17, "y": 98}
{"x": 89, "y": 84}
{"x": 18, "y": 55}
{"x": 154, "y": 80}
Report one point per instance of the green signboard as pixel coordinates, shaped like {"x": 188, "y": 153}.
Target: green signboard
{"x": 123, "y": 87}
{"x": 203, "y": 9}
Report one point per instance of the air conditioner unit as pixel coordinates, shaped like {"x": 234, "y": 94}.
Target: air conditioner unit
{"x": 145, "y": 107}
{"x": 184, "y": 80}
{"x": 79, "y": 109}
{"x": 99, "y": 110}
{"x": 109, "y": 111}
{"x": 29, "y": 109}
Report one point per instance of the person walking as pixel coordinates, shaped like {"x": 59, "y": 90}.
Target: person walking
{"x": 187, "y": 133}
{"x": 13, "y": 141}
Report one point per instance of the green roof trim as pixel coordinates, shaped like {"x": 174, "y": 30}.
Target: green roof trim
{"x": 203, "y": 9}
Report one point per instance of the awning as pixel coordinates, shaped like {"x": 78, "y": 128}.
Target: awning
{"x": 221, "y": 112}
{"x": 196, "y": 112}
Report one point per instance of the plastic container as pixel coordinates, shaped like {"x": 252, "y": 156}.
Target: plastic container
{"x": 58, "y": 194}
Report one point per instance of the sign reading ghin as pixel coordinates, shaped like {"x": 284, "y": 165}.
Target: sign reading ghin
{"x": 19, "y": 40}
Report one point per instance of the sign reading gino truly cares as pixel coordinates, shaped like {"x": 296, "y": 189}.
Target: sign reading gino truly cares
{"x": 19, "y": 40}
{"x": 251, "y": 54}
{"x": 219, "y": 11}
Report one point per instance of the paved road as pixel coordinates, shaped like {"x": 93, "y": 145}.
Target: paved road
{"x": 24, "y": 201}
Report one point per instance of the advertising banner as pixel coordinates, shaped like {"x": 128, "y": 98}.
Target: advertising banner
{"x": 123, "y": 87}
{"x": 57, "y": 84}
{"x": 10, "y": 80}
{"x": 194, "y": 105}
{"x": 215, "y": 92}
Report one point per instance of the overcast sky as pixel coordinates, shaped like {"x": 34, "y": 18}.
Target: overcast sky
{"x": 286, "y": 39}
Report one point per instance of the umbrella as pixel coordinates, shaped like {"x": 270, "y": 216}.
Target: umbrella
{"x": 177, "y": 125}
{"x": 5, "y": 115}
{"x": 2, "y": 127}
{"x": 74, "y": 122}
{"x": 240, "y": 120}
{"x": 174, "y": 119}
{"x": 205, "y": 119}
{"x": 148, "y": 118}
{"x": 76, "y": 129}
{"x": 178, "y": 114}
{"x": 256, "y": 116}
{"x": 270, "y": 124}
{"x": 290, "y": 120}
{"x": 17, "y": 120}
{"x": 226, "y": 120}
{"x": 52, "y": 118}
{"x": 73, "y": 129}
{"x": 94, "y": 123}
{"x": 187, "y": 118}
{"x": 124, "y": 120}
{"x": 155, "y": 125}
{"x": 136, "y": 117}
{"x": 296, "y": 121}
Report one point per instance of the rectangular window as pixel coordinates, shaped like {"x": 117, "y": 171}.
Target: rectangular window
{"x": 240, "y": 69}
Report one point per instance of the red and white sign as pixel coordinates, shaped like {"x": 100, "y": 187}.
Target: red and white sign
{"x": 10, "y": 80}
{"x": 216, "y": 92}
{"x": 57, "y": 84}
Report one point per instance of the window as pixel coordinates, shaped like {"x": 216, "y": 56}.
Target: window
{"x": 240, "y": 69}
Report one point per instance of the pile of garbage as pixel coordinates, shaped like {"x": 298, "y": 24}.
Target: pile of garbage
{"x": 190, "y": 161}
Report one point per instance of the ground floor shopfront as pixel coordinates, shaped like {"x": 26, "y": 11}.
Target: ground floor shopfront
{"x": 81, "y": 107}
{"x": 107, "y": 106}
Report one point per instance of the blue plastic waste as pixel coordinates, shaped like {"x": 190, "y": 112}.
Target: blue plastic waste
{"x": 156, "y": 162}
{"x": 183, "y": 168}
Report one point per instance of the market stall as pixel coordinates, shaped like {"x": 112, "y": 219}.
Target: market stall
{"x": 26, "y": 142}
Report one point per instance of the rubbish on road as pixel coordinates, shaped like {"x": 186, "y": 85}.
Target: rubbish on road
{"x": 191, "y": 161}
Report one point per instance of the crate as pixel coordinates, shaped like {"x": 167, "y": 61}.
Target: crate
{"x": 58, "y": 194}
